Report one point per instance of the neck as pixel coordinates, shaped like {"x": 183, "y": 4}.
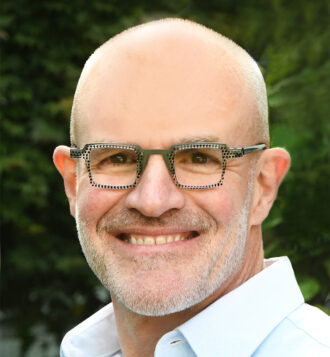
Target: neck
{"x": 138, "y": 334}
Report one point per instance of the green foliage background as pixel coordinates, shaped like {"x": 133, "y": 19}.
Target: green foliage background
{"x": 44, "y": 44}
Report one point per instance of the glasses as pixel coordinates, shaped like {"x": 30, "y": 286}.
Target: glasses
{"x": 193, "y": 166}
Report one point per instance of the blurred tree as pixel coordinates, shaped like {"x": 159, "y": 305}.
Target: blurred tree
{"x": 46, "y": 281}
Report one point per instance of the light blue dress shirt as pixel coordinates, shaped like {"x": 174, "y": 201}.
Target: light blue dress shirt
{"x": 264, "y": 317}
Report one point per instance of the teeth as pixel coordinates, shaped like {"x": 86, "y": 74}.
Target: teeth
{"x": 169, "y": 239}
{"x": 161, "y": 240}
{"x": 148, "y": 240}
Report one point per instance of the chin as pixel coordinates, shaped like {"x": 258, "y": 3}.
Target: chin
{"x": 157, "y": 304}
{"x": 159, "y": 297}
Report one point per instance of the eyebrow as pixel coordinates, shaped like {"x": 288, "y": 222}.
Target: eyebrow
{"x": 195, "y": 139}
{"x": 184, "y": 140}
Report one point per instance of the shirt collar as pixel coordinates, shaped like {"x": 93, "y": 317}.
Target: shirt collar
{"x": 237, "y": 323}
{"x": 95, "y": 337}
{"x": 234, "y": 325}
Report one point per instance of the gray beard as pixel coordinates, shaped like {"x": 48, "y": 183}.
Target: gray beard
{"x": 186, "y": 295}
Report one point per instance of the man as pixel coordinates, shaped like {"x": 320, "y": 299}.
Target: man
{"x": 169, "y": 178}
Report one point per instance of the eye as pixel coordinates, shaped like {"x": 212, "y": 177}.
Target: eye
{"x": 199, "y": 158}
{"x": 119, "y": 158}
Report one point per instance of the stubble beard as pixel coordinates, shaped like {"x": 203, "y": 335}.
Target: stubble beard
{"x": 206, "y": 279}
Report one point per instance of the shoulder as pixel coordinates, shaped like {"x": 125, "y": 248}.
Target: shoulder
{"x": 312, "y": 323}
{"x": 88, "y": 338}
{"x": 304, "y": 332}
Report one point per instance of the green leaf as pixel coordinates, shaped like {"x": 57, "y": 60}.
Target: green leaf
{"x": 309, "y": 287}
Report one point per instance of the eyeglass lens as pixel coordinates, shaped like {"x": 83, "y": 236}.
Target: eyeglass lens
{"x": 198, "y": 166}
{"x": 113, "y": 167}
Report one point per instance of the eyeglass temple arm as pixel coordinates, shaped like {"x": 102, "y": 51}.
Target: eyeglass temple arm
{"x": 249, "y": 149}
{"x": 76, "y": 153}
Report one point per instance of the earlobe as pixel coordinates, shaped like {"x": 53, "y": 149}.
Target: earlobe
{"x": 271, "y": 170}
{"x": 67, "y": 168}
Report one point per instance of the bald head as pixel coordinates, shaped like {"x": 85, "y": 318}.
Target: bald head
{"x": 172, "y": 55}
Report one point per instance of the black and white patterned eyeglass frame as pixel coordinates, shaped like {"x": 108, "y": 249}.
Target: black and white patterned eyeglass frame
{"x": 168, "y": 155}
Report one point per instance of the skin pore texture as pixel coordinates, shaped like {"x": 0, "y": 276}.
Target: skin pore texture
{"x": 156, "y": 85}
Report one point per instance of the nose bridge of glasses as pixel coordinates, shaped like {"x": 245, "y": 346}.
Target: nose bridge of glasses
{"x": 147, "y": 152}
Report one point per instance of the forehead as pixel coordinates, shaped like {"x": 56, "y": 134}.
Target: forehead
{"x": 155, "y": 91}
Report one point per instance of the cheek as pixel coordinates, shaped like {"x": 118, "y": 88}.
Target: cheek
{"x": 93, "y": 202}
{"x": 219, "y": 204}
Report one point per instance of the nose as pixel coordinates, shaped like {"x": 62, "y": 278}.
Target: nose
{"x": 156, "y": 192}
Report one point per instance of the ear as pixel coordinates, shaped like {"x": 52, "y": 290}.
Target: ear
{"x": 271, "y": 169}
{"x": 67, "y": 168}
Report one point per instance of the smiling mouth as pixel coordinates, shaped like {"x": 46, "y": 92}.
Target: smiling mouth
{"x": 142, "y": 239}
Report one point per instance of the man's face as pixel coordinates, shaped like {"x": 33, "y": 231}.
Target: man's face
{"x": 156, "y": 102}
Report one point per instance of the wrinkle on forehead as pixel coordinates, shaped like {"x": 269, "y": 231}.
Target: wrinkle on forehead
{"x": 168, "y": 44}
